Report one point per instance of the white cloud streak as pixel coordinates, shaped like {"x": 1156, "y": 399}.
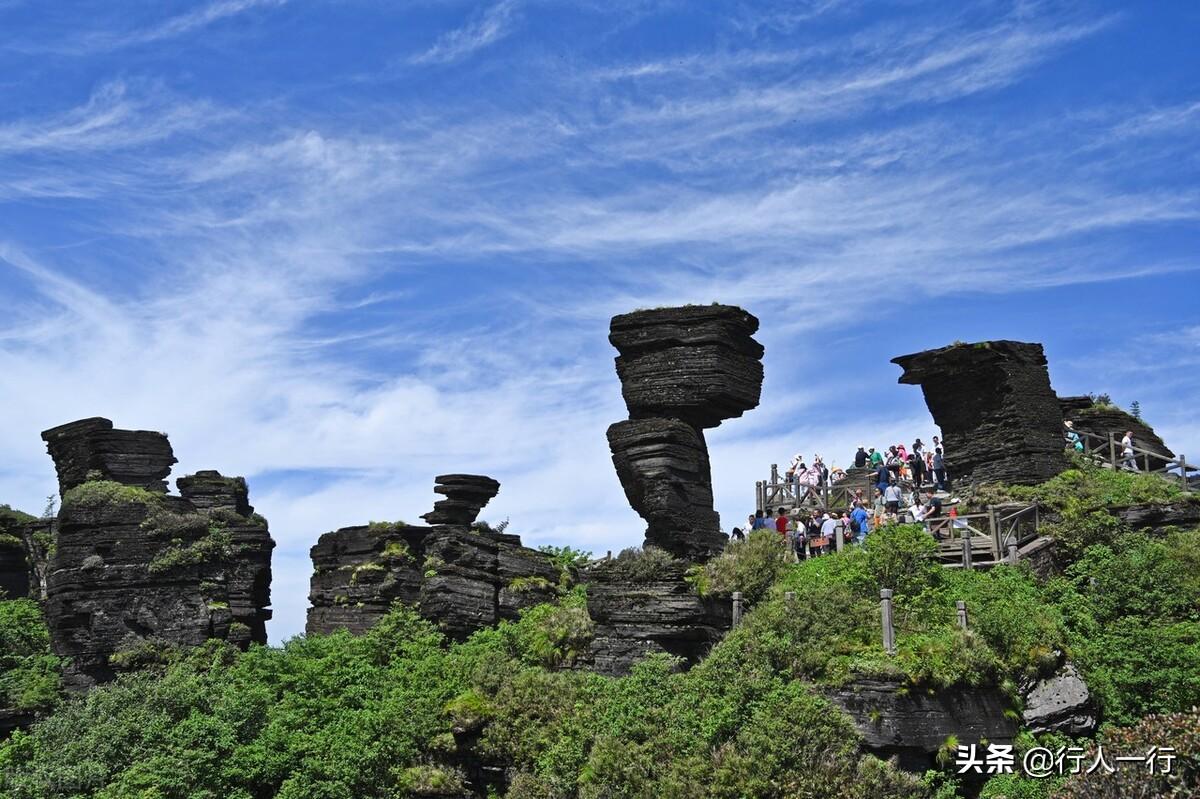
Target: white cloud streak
{"x": 486, "y": 28}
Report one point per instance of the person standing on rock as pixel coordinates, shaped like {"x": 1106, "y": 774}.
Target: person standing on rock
{"x": 1128, "y": 458}
{"x": 758, "y": 521}
{"x": 875, "y": 457}
{"x": 916, "y": 465}
{"x": 860, "y": 522}
{"x": 883, "y": 476}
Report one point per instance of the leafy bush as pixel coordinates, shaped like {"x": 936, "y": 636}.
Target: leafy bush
{"x": 751, "y": 566}
{"x": 98, "y": 493}
{"x": 640, "y": 565}
{"x": 216, "y": 544}
{"x": 29, "y": 673}
{"x": 1178, "y": 730}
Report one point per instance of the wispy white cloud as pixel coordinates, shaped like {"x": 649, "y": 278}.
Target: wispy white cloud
{"x": 485, "y": 28}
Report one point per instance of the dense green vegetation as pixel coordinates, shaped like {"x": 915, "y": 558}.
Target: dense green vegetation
{"x": 29, "y": 673}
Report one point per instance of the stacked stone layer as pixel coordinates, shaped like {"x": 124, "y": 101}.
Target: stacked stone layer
{"x": 681, "y": 370}
{"x": 664, "y": 468}
{"x": 1000, "y": 419}
{"x": 638, "y": 618}
{"x": 90, "y": 447}
{"x": 459, "y": 577}
{"x": 466, "y": 494}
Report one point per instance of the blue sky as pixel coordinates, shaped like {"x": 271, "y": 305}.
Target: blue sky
{"x": 343, "y": 246}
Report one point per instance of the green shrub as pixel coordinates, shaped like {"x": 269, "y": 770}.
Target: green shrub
{"x": 216, "y": 544}
{"x": 29, "y": 673}
{"x": 751, "y": 566}
{"x": 98, "y": 493}
{"x": 640, "y": 565}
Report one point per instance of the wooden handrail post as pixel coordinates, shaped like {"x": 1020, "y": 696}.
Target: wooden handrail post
{"x": 967, "y": 554}
{"x": 839, "y": 534}
{"x": 1183, "y": 472}
{"x": 775, "y": 473}
{"x": 1112, "y": 450}
{"x": 1012, "y": 552}
{"x": 885, "y": 610}
{"x": 737, "y": 608}
{"x": 961, "y": 607}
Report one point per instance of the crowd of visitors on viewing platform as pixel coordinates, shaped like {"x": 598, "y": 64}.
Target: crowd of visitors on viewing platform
{"x": 906, "y": 486}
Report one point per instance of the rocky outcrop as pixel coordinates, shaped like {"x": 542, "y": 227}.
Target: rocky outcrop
{"x": 681, "y": 370}
{"x": 914, "y": 724}
{"x": 1156, "y": 518}
{"x": 638, "y": 616}
{"x": 461, "y": 577}
{"x": 1000, "y": 419}
{"x": 1102, "y": 420}
{"x": 1059, "y": 703}
{"x": 91, "y": 449}
{"x": 134, "y": 569}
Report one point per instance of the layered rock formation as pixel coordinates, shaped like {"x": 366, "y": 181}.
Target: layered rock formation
{"x": 1059, "y": 703}
{"x": 914, "y": 725}
{"x": 460, "y": 577}
{"x": 1000, "y": 419}
{"x": 1103, "y": 420}
{"x": 681, "y": 370}
{"x": 637, "y": 617}
{"x": 135, "y": 569}
{"x": 14, "y": 562}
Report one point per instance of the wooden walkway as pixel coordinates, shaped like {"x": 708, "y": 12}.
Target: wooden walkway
{"x": 970, "y": 540}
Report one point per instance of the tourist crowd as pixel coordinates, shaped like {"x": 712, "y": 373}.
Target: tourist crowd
{"x": 905, "y": 485}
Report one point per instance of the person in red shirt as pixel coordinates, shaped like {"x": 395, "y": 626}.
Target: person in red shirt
{"x": 781, "y": 523}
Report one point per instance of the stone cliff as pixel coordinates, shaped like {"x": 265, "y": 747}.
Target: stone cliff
{"x": 1000, "y": 419}
{"x": 462, "y": 577}
{"x": 681, "y": 370}
{"x": 135, "y": 569}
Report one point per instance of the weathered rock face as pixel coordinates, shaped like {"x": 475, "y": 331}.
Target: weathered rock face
{"x": 1101, "y": 420}
{"x": 135, "y": 570}
{"x": 664, "y": 468}
{"x": 459, "y": 577}
{"x": 1000, "y": 418}
{"x": 695, "y": 363}
{"x": 681, "y": 370}
{"x": 635, "y": 618}
{"x": 1060, "y": 703}
{"x": 92, "y": 447}
{"x": 1156, "y": 519}
{"x": 913, "y": 725}
{"x": 466, "y": 494}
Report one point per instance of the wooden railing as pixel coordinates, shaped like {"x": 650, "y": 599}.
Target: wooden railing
{"x": 1108, "y": 451}
{"x": 783, "y": 493}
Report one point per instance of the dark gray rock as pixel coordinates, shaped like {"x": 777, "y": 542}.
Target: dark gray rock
{"x": 697, "y": 363}
{"x": 90, "y": 449}
{"x": 663, "y": 466}
{"x": 681, "y": 370}
{"x": 913, "y": 724}
{"x": 466, "y": 494}
{"x": 634, "y": 618}
{"x": 14, "y": 558}
{"x": 209, "y": 490}
{"x": 1156, "y": 519}
{"x": 1000, "y": 419}
{"x": 461, "y": 578}
{"x": 132, "y": 571}
{"x": 1060, "y": 703}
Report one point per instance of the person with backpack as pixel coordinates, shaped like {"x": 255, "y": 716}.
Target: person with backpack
{"x": 916, "y": 466}
{"x": 861, "y": 458}
{"x": 759, "y": 521}
{"x": 860, "y": 522}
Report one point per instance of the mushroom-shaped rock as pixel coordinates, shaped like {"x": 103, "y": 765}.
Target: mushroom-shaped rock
{"x": 465, "y": 495}
{"x": 1000, "y": 419}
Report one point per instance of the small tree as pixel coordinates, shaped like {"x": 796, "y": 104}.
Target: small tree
{"x": 1135, "y": 410}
